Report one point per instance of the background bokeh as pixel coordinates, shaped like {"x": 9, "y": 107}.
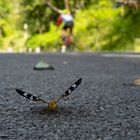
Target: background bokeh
{"x": 99, "y": 25}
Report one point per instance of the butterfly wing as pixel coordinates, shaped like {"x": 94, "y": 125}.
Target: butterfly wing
{"x": 29, "y": 96}
{"x": 70, "y": 89}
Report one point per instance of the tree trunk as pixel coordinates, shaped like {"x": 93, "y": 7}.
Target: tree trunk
{"x": 67, "y": 5}
{"x": 48, "y": 3}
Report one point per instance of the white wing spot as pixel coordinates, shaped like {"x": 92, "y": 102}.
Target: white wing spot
{"x": 69, "y": 91}
{"x": 25, "y": 94}
{"x": 31, "y": 97}
{"x": 74, "y": 86}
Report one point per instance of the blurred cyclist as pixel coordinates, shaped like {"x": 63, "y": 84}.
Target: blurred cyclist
{"x": 66, "y": 22}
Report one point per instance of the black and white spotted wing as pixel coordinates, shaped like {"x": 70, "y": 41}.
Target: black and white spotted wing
{"x": 29, "y": 96}
{"x": 70, "y": 89}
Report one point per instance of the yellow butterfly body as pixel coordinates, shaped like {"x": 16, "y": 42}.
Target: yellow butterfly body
{"x": 52, "y": 105}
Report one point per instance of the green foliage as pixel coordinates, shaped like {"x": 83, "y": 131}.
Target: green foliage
{"x": 125, "y": 30}
{"x": 92, "y": 26}
{"x": 97, "y": 25}
{"x": 47, "y": 41}
{"x": 103, "y": 28}
{"x": 36, "y": 15}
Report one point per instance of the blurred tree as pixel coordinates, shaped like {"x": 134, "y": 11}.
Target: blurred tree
{"x": 67, "y": 5}
{"x": 97, "y": 23}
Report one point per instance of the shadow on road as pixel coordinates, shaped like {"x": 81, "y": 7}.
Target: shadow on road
{"x": 68, "y": 112}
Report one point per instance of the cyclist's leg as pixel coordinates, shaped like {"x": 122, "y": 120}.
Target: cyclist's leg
{"x": 66, "y": 36}
{"x": 63, "y": 37}
{"x": 69, "y": 37}
{"x": 63, "y": 34}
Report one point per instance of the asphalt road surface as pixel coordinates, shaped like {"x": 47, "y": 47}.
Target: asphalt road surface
{"x": 101, "y": 108}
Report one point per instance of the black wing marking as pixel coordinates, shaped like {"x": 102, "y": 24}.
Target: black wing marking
{"x": 70, "y": 89}
{"x": 29, "y": 96}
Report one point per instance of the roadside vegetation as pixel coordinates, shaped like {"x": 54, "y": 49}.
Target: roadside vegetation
{"x": 99, "y": 25}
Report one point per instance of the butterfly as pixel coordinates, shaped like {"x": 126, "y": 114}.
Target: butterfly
{"x": 53, "y": 104}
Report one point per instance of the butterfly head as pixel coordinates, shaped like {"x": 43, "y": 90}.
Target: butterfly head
{"x": 52, "y": 105}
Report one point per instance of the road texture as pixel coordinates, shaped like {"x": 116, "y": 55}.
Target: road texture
{"x": 101, "y": 108}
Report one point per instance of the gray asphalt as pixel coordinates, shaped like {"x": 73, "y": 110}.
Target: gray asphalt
{"x": 101, "y": 108}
